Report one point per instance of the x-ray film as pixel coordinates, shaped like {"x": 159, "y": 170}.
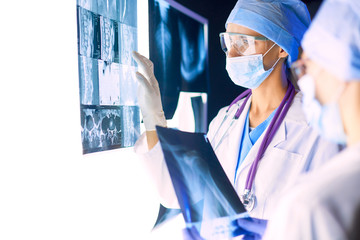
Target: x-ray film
{"x": 178, "y": 48}
{"x": 105, "y": 128}
{"x": 107, "y": 34}
{"x": 128, "y": 85}
{"x": 89, "y": 81}
{"x": 91, "y": 5}
{"x": 108, "y": 8}
{"x": 118, "y": 10}
{"x": 109, "y": 40}
{"x": 89, "y": 39}
{"x": 126, "y": 10}
{"x": 207, "y": 199}
{"x": 127, "y": 43}
{"x": 109, "y": 82}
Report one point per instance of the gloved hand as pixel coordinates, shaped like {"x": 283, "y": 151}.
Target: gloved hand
{"x": 255, "y": 226}
{"x": 149, "y": 94}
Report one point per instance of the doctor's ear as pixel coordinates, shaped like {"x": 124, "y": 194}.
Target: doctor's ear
{"x": 282, "y": 53}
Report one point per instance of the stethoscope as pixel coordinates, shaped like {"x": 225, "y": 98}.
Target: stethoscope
{"x": 248, "y": 198}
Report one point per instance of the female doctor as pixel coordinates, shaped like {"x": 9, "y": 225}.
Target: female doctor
{"x": 262, "y": 139}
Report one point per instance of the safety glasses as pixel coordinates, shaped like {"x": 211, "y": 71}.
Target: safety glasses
{"x": 242, "y": 44}
{"x": 298, "y": 69}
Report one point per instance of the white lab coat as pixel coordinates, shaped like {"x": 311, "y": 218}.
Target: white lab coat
{"x": 295, "y": 149}
{"x": 323, "y": 204}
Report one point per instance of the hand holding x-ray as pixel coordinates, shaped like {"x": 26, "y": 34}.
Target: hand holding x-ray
{"x": 255, "y": 226}
{"x": 149, "y": 94}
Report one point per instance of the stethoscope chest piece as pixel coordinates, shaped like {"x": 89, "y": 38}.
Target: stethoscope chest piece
{"x": 248, "y": 199}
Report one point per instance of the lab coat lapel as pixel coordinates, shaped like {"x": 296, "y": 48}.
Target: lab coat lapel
{"x": 279, "y": 136}
{"x": 231, "y": 144}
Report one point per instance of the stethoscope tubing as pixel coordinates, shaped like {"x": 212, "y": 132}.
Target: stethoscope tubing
{"x": 246, "y": 94}
{"x": 270, "y": 133}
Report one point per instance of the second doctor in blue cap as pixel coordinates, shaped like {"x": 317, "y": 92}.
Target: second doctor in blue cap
{"x": 325, "y": 204}
{"x": 262, "y": 139}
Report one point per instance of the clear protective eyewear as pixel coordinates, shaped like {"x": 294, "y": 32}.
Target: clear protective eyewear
{"x": 298, "y": 69}
{"x": 242, "y": 44}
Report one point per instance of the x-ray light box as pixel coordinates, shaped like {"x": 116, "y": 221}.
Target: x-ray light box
{"x": 107, "y": 34}
{"x": 179, "y": 51}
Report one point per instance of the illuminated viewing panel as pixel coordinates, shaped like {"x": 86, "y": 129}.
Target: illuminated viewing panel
{"x": 107, "y": 34}
{"x": 179, "y": 51}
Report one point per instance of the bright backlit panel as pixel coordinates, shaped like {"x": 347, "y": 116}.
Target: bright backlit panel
{"x": 107, "y": 34}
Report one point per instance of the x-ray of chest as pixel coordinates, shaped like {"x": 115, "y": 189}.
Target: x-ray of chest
{"x": 178, "y": 48}
{"x": 107, "y": 34}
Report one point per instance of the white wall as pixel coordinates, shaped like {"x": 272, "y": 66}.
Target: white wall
{"x": 48, "y": 189}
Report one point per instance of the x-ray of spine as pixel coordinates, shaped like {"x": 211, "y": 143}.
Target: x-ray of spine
{"x": 163, "y": 39}
{"x": 178, "y": 49}
{"x": 164, "y": 52}
{"x": 107, "y": 34}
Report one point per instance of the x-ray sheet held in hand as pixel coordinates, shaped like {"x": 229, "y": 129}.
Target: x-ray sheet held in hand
{"x": 208, "y": 201}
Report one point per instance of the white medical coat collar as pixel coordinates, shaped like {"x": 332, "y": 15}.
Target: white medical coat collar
{"x": 279, "y": 137}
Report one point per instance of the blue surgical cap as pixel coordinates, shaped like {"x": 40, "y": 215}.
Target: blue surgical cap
{"x": 283, "y": 22}
{"x": 333, "y": 39}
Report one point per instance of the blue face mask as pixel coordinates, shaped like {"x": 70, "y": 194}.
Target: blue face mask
{"x": 248, "y": 71}
{"x": 326, "y": 119}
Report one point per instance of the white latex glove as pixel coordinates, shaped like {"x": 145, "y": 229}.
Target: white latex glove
{"x": 149, "y": 94}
